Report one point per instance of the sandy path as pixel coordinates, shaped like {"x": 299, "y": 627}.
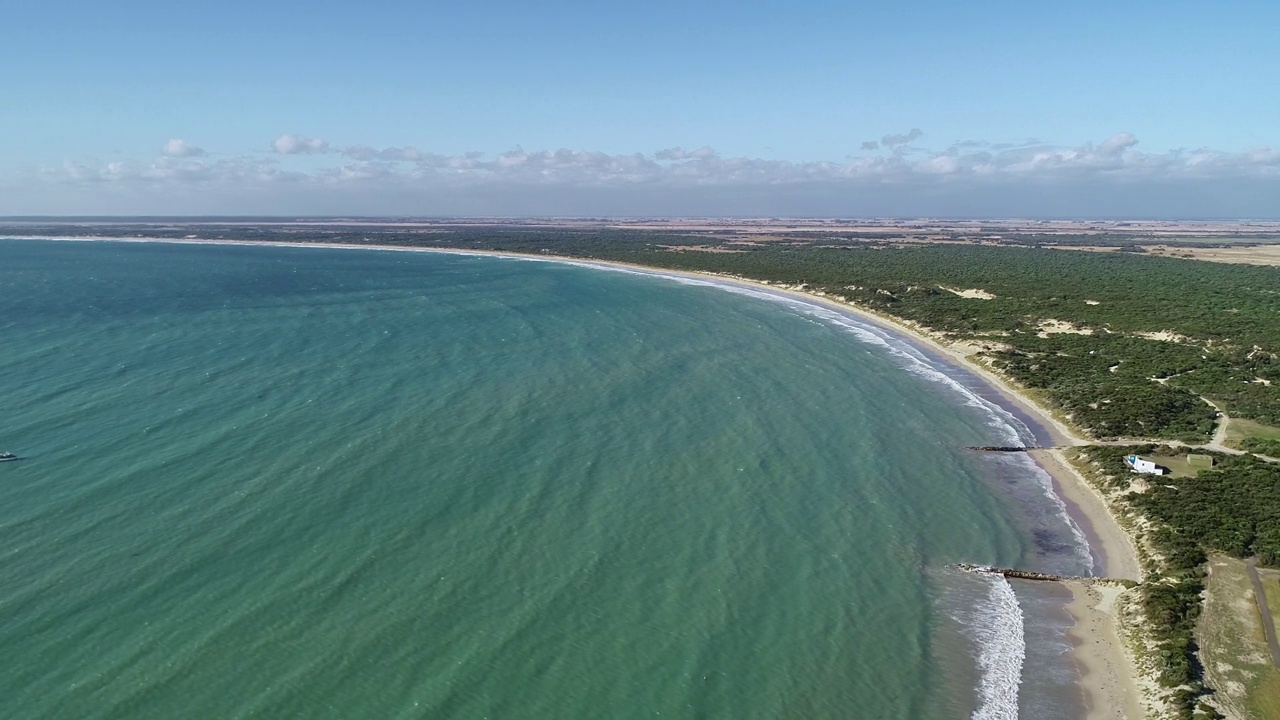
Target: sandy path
{"x": 1219, "y": 441}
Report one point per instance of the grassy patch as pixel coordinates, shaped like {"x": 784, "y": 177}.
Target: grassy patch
{"x": 1178, "y": 465}
{"x": 1232, "y": 645}
{"x": 1239, "y": 430}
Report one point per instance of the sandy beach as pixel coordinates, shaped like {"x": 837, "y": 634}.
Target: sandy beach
{"x": 1106, "y": 674}
{"x": 1107, "y": 677}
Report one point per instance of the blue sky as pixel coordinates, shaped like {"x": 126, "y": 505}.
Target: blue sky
{"x": 989, "y": 108}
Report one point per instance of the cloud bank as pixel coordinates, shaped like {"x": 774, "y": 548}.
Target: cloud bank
{"x": 1112, "y": 177}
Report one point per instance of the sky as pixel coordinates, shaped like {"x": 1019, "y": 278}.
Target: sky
{"x": 562, "y": 108}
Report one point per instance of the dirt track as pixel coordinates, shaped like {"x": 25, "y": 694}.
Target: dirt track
{"x": 1268, "y": 621}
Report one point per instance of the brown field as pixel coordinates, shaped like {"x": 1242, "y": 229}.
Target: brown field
{"x": 1255, "y": 255}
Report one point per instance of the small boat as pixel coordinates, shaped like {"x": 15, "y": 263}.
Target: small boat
{"x": 7, "y": 456}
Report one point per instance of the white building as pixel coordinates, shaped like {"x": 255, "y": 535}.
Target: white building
{"x": 1144, "y": 466}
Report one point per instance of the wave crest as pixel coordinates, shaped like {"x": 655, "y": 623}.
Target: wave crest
{"x": 1002, "y": 650}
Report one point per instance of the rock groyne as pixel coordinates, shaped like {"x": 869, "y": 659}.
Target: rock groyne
{"x": 1039, "y": 576}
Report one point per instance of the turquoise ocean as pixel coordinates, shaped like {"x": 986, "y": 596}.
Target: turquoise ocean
{"x": 265, "y": 482}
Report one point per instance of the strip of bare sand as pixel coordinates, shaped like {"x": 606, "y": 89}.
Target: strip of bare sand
{"x": 1106, "y": 674}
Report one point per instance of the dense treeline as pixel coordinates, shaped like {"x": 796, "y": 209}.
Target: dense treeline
{"x": 1232, "y": 509}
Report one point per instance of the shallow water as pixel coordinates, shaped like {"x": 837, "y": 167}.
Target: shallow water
{"x": 328, "y": 483}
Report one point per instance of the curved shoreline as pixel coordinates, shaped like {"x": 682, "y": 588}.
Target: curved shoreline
{"x": 1096, "y": 641}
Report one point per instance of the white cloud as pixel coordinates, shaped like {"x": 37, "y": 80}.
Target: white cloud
{"x": 965, "y": 179}
{"x": 298, "y": 145}
{"x": 181, "y": 148}
{"x": 1115, "y": 157}
{"x": 1117, "y": 144}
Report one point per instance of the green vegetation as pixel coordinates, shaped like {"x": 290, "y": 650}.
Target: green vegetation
{"x": 1261, "y": 446}
{"x": 1254, "y": 437}
{"x": 1247, "y": 428}
{"x": 1102, "y": 380}
{"x": 1232, "y": 509}
{"x": 1179, "y": 466}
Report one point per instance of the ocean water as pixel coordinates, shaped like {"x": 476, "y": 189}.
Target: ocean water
{"x": 323, "y": 483}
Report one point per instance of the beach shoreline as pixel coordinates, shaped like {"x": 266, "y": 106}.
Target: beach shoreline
{"x": 1106, "y": 676}
{"x": 1111, "y": 543}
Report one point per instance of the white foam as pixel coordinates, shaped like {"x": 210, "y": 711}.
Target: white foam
{"x": 1002, "y": 648}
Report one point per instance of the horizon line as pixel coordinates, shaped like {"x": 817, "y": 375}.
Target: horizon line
{"x": 634, "y": 218}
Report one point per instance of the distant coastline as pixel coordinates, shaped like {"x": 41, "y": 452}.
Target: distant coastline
{"x": 1106, "y": 671}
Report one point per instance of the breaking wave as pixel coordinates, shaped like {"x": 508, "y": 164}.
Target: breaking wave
{"x": 1002, "y": 649}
